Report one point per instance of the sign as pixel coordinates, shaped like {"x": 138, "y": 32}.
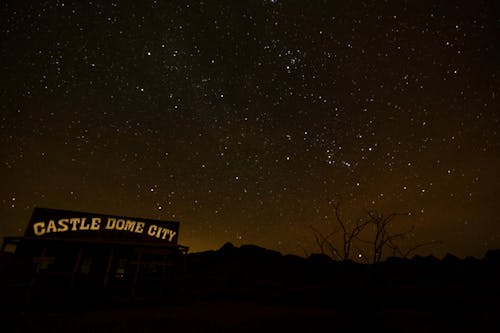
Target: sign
{"x": 63, "y": 224}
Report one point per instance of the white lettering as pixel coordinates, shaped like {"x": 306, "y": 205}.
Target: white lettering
{"x": 111, "y": 223}
{"x": 83, "y": 224}
{"x": 39, "y": 228}
{"x": 96, "y": 223}
{"x": 74, "y": 223}
{"x": 160, "y": 232}
{"x": 139, "y": 228}
{"x": 51, "y": 227}
{"x": 152, "y": 230}
{"x": 120, "y": 224}
{"x": 129, "y": 225}
{"x": 164, "y": 232}
{"x": 63, "y": 226}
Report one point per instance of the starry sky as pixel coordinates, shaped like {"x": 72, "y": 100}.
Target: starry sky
{"x": 243, "y": 120}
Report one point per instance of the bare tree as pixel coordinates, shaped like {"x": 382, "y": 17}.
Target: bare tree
{"x": 383, "y": 238}
{"x": 379, "y": 241}
{"x": 325, "y": 243}
{"x": 349, "y": 234}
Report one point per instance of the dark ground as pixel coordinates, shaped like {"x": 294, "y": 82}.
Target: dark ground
{"x": 232, "y": 316}
{"x": 250, "y": 289}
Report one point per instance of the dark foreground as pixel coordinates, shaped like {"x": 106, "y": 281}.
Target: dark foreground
{"x": 250, "y": 289}
{"x": 231, "y": 316}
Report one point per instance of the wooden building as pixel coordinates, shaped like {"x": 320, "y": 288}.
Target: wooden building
{"x": 68, "y": 254}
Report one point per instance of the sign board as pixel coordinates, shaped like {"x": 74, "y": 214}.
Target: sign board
{"x": 63, "y": 224}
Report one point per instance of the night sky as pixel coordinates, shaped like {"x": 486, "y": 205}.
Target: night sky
{"x": 244, "y": 119}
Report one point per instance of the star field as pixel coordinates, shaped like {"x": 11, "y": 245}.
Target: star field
{"x": 243, "y": 120}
